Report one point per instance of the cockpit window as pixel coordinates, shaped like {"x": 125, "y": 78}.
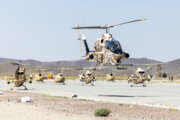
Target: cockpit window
{"x": 114, "y": 46}
{"x": 141, "y": 73}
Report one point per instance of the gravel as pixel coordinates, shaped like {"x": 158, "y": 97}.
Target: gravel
{"x": 85, "y": 108}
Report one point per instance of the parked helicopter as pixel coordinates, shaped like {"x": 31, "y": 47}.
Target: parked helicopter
{"x": 110, "y": 77}
{"x": 60, "y": 78}
{"x": 20, "y": 77}
{"x": 39, "y": 77}
{"x": 107, "y": 50}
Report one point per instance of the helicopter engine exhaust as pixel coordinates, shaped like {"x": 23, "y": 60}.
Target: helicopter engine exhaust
{"x": 91, "y": 56}
{"x": 126, "y": 55}
{"x": 118, "y": 61}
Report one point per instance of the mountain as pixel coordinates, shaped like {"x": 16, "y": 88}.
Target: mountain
{"x": 74, "y": 63}
{"x": 140, "y": 61}
{"x": 169, "y": 67}
{"x": 172, "y": 66}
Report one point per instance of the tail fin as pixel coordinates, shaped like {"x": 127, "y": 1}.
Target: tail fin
{"x": 83, "y": 38}
{"x": 86, "y": 47}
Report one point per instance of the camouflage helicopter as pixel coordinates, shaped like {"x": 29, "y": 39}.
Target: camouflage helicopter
{"x": 87, "y": 78}
{"x": 20, "y": 77}
{"x": 60, "y": 78}
{"x": 139, "y": 78}
{"x": 110, "y": 77}
{"x": 107, "y": 50}
{"x": 39, "y": 77}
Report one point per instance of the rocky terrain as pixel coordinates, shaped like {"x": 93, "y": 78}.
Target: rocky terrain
{"x": 46, "y": 107}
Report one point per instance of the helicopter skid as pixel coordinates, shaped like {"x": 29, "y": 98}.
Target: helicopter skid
{"x": 83, "y": 84}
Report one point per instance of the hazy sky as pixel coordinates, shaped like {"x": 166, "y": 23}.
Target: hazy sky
{"x": 41, "y": 29}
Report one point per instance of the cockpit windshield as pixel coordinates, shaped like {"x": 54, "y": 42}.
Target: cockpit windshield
{"x": 114, "y": 46}
{"x": 142, "y": 73}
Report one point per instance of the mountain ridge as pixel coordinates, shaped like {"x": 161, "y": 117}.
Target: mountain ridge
{"x": 172, "y": 66}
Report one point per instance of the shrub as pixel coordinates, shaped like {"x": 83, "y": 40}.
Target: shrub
{"x": 102, "y": 112}
{"x": 120, "y": 104}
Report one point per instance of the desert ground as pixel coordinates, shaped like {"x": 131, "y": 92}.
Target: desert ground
{"x": 54, "y": 101}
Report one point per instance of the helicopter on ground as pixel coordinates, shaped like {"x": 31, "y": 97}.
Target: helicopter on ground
{"x": 139, "y": 78}
{"x": 20, "y": 77}
{"x": 87, "y": 78}
{"x": 107, "y": 50}
{"x": 110, "y": 77}
{"x": 39, "y": 77}
{"x": 60, "y": 78}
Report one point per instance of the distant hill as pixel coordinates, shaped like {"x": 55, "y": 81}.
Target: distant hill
{"x": 140, "y": 61}
{"x": 74, "y": 63}
{"x": 172, "y": 66}
{"x": 169, "y": 67}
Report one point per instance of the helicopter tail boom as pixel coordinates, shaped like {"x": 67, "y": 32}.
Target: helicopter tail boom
{"x": 86, "y": 47}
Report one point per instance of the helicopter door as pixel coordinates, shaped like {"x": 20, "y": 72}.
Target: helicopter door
{"x": 114, "y": 46}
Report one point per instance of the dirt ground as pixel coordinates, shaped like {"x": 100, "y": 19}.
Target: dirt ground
{"x": 47, "y": 107}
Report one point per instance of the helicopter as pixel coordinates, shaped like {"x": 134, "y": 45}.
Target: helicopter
{"x": 107, "y": 50}
{"x": 87, "y": 78}
{"x": 20, "y": 77}
{"x": 110, "y": 77}
{"x": 60, "y": 78}
{"x": 139, "y": 78}
{"x": 39, "y": 77}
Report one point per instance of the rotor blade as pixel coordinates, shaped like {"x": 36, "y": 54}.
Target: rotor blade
{"x": 127, "y": 22}
{"x": 151, "y": 64}
{"x": 14, "y": 63}
{"x": 66, "y": 69}
{"x": 106, "y": 26}
{"x": 11, "y": 80}
{"x": 90, "y": 27}
{"x": 78, "y": 68}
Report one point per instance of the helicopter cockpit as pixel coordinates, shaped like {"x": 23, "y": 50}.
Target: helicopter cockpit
{"x": 114, "y": 46}
{"x": 19, "y": 71}
{"x": 142, "y": 73}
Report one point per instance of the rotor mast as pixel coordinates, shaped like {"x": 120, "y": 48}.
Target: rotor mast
{"x": 107, "y": 30}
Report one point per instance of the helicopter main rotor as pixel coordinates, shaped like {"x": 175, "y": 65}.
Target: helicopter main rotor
{"x": 107, "y": 27}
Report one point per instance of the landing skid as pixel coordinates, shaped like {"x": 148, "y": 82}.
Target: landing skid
{"x": 83, "y": 84}
{"x": 100, "y": 66}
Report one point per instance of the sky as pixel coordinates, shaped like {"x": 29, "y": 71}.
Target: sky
{"x": 41, "y": 29}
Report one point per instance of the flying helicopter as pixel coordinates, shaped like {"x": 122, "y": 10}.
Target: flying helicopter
{"x": 139, "y": 78}
{"x": 20, "y": 76}
{"x": 87, "y": 78}
{"x": 107, "y": 50}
